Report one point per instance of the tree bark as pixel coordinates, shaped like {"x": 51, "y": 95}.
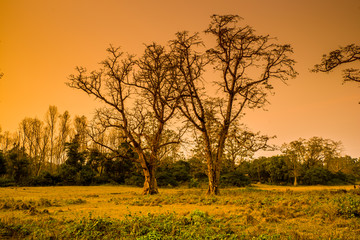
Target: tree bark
{"x": 149, "y": 169}
{"x": 214, "y": 180}
{"x": 295, "y": 180}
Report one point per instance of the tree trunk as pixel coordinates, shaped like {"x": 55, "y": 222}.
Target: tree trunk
{"x": 150, "y": 184}
{"x": 213, "y": 184}
{"x": 214, "y": 177}
{"x": 295, "y": 180}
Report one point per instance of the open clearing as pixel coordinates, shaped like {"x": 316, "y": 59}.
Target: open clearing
{"x": 120, "y": 212}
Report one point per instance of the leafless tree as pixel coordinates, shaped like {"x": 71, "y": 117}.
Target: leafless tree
{"x": 81, "y": 129}
{"x": 148, "y": 84}
{"x": 51, "y": 120}
{"x": 35, "y": 142}
{"x": 341, "y": 56}
{"x": 247, "y": 64}
{"x": 241, "y": 144}
{"x": 63, "y": 137}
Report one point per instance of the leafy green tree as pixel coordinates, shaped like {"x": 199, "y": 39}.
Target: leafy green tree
{"x": 86, "y": 176}
{"x": 235, "y": 179}
{"x": 258, "y": 170}
{"x": 18, "y": 165}
{"x": 307, "y": 154}
{"x": 2, "y": 164}
{"x": 278, "y": 169}
{"x": 75, "y": 157}
{"x": 316, "y": 175}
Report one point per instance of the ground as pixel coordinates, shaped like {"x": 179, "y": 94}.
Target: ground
{"x": 120, "y": 212}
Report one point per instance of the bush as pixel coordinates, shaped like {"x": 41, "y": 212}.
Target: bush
{"x": 235, "y": 179}
{"x": 322, "y": 176}
{"x": 86, "y": 176}
{"x": 2, "y": 164}
{"x": 341, "y": 178}
{"x": 166, "y": 178}
{"x": 44, "y": 179}
{"x": 6, "y": 182}
{"x": 67, "y": 174}
{"x": 135, "y": 180}
{"x": 194, "y": 183}
{"x": 316, "y": 176}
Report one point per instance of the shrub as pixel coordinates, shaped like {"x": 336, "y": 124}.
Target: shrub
{"x": 194, "y": 183}
{"x": 86, "y": 176}
{"x": 316, "y": 175}
{"x": 135, "y": 180}
{"x": 235, "y": 179}
{"x": 166, "y": 178}
{"x": 6, "y": 182}
{"x": 44, "y": 179}
{"x": 67, "y": 174}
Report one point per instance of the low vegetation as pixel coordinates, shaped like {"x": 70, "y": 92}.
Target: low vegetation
{"x": 113, "y": 212}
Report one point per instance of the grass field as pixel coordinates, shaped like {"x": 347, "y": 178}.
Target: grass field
{"x": 119, "y": 212}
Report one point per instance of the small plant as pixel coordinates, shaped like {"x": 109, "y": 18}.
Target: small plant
{"x": 349, "y": 206}
{"x": 75, "y": 201}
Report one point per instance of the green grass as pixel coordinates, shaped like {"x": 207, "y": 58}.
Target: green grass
{"x": 113, "y": 212}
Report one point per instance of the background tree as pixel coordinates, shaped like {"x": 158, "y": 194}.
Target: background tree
{"x": 81, "y": 125}
{"x": 304, "y": 154}
{"x": 296, "y": 153}
{"x": 34, "y": 141}
{"x": 65, "y": 132}
{"x": 51, "y": 120}
{"x": 242, "y": 144}
{"x": 18, "y": 165}
{"x": 247, "y": 64}
{"x": 341, "y": 56}
{"x": 2, "y": 164}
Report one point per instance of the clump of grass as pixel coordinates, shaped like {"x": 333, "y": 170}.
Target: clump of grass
{"x": 75, "y": 201}
{"x": 13, "y": 231}
{"x": 91, "y": 196}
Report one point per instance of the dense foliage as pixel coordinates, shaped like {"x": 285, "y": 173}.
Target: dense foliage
{"x": 91, "y": 167}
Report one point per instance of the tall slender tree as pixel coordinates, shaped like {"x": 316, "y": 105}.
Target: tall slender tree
{"x": 51, "y": 120}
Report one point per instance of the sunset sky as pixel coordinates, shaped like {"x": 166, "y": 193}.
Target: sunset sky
{"x": 42, "y": 41}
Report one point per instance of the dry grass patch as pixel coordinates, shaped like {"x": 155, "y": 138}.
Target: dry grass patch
{"x": 261, "y": 212}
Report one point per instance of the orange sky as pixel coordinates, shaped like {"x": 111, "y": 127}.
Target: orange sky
{"x": 41, "y": 42}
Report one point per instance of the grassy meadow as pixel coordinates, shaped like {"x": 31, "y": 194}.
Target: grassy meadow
{"x": 120, "y": 212}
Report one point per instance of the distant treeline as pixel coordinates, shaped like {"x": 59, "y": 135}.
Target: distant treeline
{"x": 60, "y": 152}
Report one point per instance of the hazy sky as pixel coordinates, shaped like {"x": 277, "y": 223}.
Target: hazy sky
{"x": 42, "y": 41}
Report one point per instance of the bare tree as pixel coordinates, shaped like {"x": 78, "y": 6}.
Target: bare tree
{"x": 81, "y": 125}
{"x": 63, "y": 137}
{"x": 152, "y": 91}
{"x": 242, "y": 144}
{"x": 51, "y": 120}
{"x": 341, "y": 56}
{"x": 35, "y": 142}
{"x": 247, "y": 64}
{"x": 7, "y": 140}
